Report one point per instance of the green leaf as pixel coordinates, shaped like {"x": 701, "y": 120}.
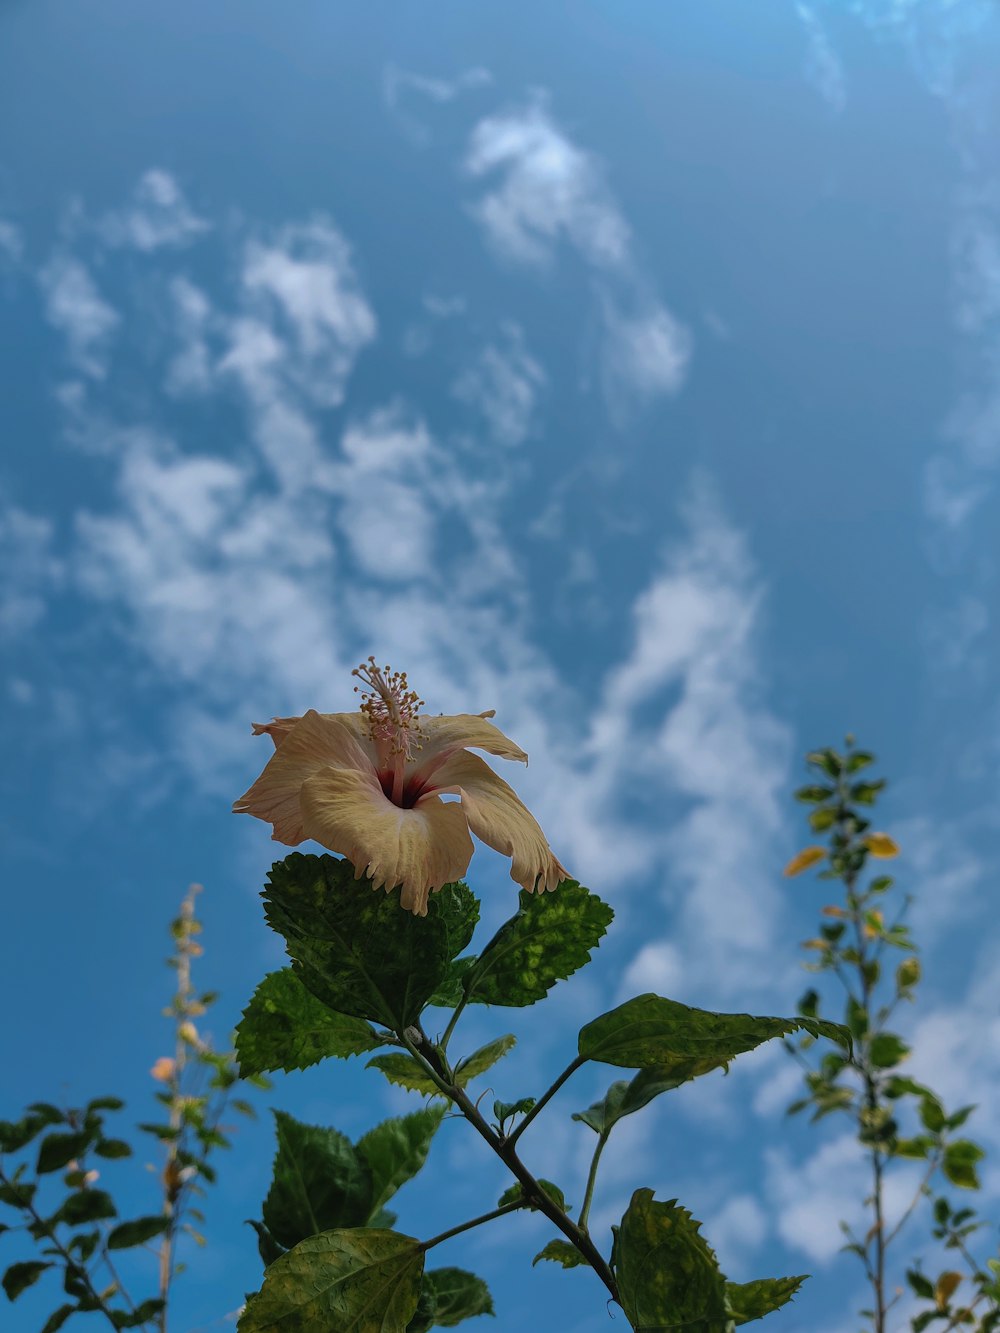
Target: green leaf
{"x": 814, "y": 794}
{"x": 354, "y": 948}
{"x": 456, "y": 1295}
{"x": 85, "y": 1206}
{"x": 651, "y": 1032}
{"x": 515, "y": 1194}
{"x": 285, "y": 1027}
{"x": 485, "y": 1058}
{"x": 142, "y": 1314}
{"x": 112, "y": 1148}
{"x": 19, "y": 1277}
{"x": 923, "y": 1286}
{"x": 127, "y": 1234}
{"x": 396, "y": 1150}
{"x": 886, "y": 1050}
{"x": 353, "y": 1281}
{"x": 57, "y": 1150}
{"x": 959, "y": 1163}
{"x": 452, "y": 986}
{"x": 917, "y": 1147}
{"x": 267, "y": 1246}
{"x": 57, "y": 1318}
{"x": 400, "y": 1068}
{"x": 753, "y": 1300}
{"x": 560, "y": 1252}
{"x": 624, "y": 1098}
{"x": 319, "y": 1183}
{"x": 547, "y": 940}
{"x": 668, "y": 1278}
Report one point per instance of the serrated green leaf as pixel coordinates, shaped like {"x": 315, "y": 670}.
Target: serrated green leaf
{"x": 19, "y": 1277}
{"x": 354, "y": 948}
{"x": 142, "y": 1314}
{"x": 319, "y": 1183}
{"x": 920, "y": 1284}
{"x": 396, "y": 1150}
{"x": 399, "y": 1067}
{"x": 485, "y": 1058}
{"x": 959, "y": 1163}
{"x": 451, "y": 988}
{"x": 457, "y": 1295}
{"x": 267, "y": 1246}
{"x": 356, "y": 1281}
{"x": 105, "y": 1104}
{"x": 138, "y": 1232}
{"x": 651, "y": 1032}
{"x": 515, "y": 1193}
{"x": 112, "y": 1149}
{"x": 550, "y": 937}
{"x": 626, "y": 1097}
{"x": 668, "y": 1277}
{"x": 504, "y": 1110}
{"x": 748, "y": 1301}
{"x": 812, "y": 795}
{"x": 560, "y": 1252}
{"x": 286, "y": 1027}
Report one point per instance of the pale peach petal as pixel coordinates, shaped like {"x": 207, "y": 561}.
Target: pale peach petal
{"x": 279, "y": 727}
{"x": 497, "y": 816}
{"x": 420, "y": 849}
{"x": 313, "y": 743}
{"x": 441, "y": 737}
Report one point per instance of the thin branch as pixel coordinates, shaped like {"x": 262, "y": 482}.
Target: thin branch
{"x": 591, "y": 1181}
{"x": 545, "y": 1097}
{"x": 475, "y": 1222}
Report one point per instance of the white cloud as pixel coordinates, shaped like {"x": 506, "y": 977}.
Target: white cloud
{"x": 504, "y": 382}
{"x": 823, "y": 67}
{"x": 190, "y": 370}
{"x": 30, "y": 569}
{"x": 11, "y": 243}
{"x": 76, "y": 308}
{"x": 737, "y": 1231}
{"x": 550, "y": 190}
{"x": 158, "y": 215}
{"x": 397, "y": 83}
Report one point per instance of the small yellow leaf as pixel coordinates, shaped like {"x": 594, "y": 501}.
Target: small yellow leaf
{"x": 833, "y": 911}
{"x": 806, "y": 858}
{"x": 944, "y": 1288}
{"x": 880, "y": 844}
{"x": 164, "y": 1069}
{"x": 815, "y": 944}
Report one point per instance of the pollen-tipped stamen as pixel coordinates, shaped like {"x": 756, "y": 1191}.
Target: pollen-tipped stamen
{"x": 390, "y": 709}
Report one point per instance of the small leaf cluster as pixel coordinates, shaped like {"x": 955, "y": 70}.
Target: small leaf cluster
{"x": 363, "y": 977}
{"x": 895, "y": 1117}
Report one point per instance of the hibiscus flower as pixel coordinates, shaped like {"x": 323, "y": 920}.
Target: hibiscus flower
{"x": 368, "y": 785}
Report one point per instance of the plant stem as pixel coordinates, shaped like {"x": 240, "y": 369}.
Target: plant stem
{"x": 431, "y": 1060}
{"x": 591, "y": 1181}
{"x": 545, "y": 1097}
{"x": 475, "y": 1222}
{"x": 473, "y": 976}
{"x": 72, "y": 1264}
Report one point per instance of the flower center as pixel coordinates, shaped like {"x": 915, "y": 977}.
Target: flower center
{"x": 390, "y": 709}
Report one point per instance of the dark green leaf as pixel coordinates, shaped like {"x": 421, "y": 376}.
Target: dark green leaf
{"x": 828, "y": 760}
{"x": 668, "y": 1278}
{"x": 921, "y": 1285}
{"x": 924, "y": 1320}
{"x": 504, "y": 1110}
{"x": 142, "y": 1314}
{"x": 451, "y": 988}
{"x": 19, "y": 1277}
{"x": 822, "y": 818}
{"x": 57, "y": 1150}
{"x": 866, "y": 792}
{"x": 396, "y": 1150}
{"x": 16, "y": 1192}
{"x": 515, "y": 1193}
{"x": 399, "y": 1067}
{"x": 58, "y": 1317}
{"x": 112, "y": 1148}
{"x": 84, "y": 1243}
{"x": 356, "y": 1281}
{"x": 549, "y": 938}
{"x": 813, "y": 795}
{"x": 127, "y": 1234}
{"x": 917, "y": 1147}
{"x": 285, "y": 1027}
{"x": 354, "y": 948}
{"x": 457, "y": 1295}
{"x": 266, "y": 1244}
{"x": 86, "y": 1206}
{"x": 560, "y": 1252}
{"x": 959, "y": 1163}
{"x": 624, "y": 1097}
{"x": 383, "y": 1220}
{"x": 753, "y": 1300}
{"x": 483, "y": 1059}
{"x": 886, "y": 1050}
{"x": 957, "y": 1120}
{"x": 651, "y": 1032}
{"x": 319, "y": 1183}
{"x": 859, "y": 759}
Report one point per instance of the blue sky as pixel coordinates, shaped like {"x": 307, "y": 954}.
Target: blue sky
{"x": 632, "y": 370}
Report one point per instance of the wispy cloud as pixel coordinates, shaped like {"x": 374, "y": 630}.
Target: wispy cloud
{"x": 31, "y": 570}
{"x": 542, "y": 191}
{"x": 503, "y": 383}
{"x": 823, "y": 67}
{"x": 11, "y": 242}
{"x": 158, "y": 215}
{"x": 399, "y": 86}
{"x": 76, "y": 308}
